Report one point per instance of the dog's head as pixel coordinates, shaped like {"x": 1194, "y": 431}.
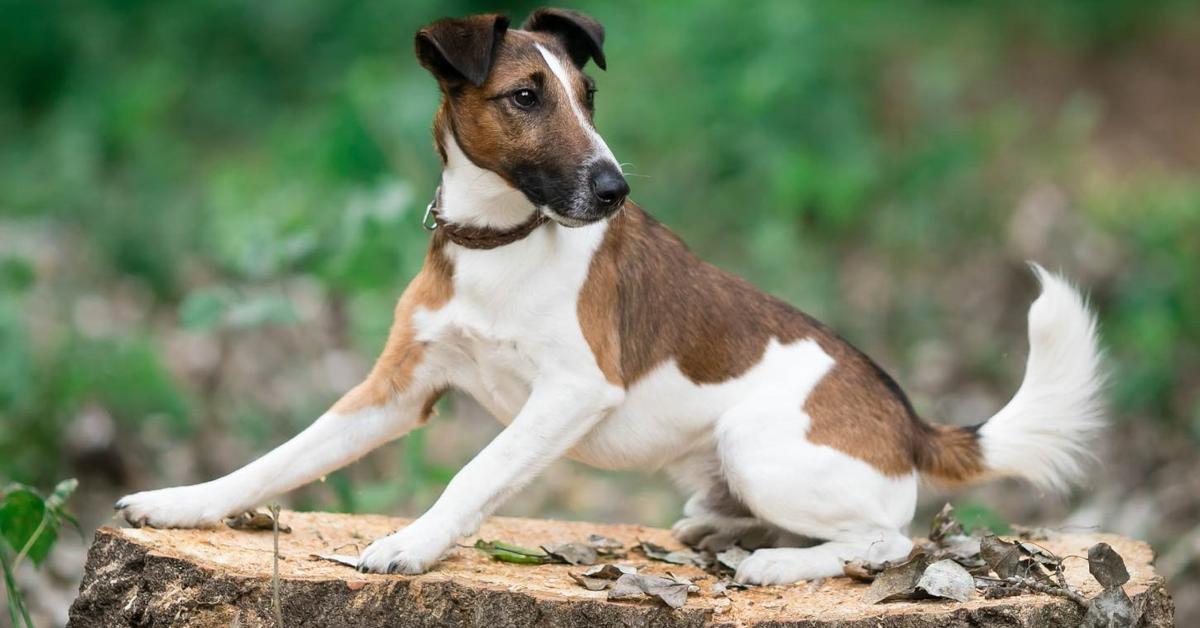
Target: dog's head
{"x": 517, "y": 103}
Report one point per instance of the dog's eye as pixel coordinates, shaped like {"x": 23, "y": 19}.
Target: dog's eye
{"x": 590, "y": 99}
{"x": 524, "y": 98}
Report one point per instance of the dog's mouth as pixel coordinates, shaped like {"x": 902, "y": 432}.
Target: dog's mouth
{"x": 586, "y": 196}
{"x": 570, "y": 221}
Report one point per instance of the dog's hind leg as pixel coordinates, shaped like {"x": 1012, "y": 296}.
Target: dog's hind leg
{"x": 395, "y": 398}
{"x": 813, "y": 491}
{"x": 714, "y": 519}
{"x": 808, "y": 489}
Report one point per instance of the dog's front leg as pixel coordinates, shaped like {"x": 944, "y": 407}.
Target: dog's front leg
{"x": 393, "y": 400}
{"x": 559, "y": 411}
{"x": 334, "y": 440}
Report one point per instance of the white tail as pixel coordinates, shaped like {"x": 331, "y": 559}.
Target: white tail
{"x": 1043, "y": 433}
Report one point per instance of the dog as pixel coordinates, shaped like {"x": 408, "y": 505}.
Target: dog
{"x": 592, "y": 332}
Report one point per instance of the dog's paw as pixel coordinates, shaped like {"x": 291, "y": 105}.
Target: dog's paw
{"x": 180, "y": 507}
{"x": 692, "y": 530}
{"x": 410, "y": 551}
{"x": 716, "y": 534}
{"x": 767, "y": 567}
{"x": 788, "y": 565}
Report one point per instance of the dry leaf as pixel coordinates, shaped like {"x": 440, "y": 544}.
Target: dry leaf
{"x": 572, "y": 553}
{"x": 601, "y": 576}
{"x": 862, "y": 570}
{"x": 255, "y": 520}
{"x": 1111, "y": 609}
{"x": 732, "y": 557}
{"x": 1107, "y": 566}
{"x": 1001, "y": 556}
{"x": 676, "y": 557}
{"x": 947, "y": 579}
{"x": 897, "y": 582}
{"x": 342, "y": 559}
{"x": 945, "y": 524}
{"x": 603, "y": 544}
{"x": 668, "y": 590}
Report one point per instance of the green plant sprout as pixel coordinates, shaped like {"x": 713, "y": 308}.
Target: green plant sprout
{"x": 29, "y": 525}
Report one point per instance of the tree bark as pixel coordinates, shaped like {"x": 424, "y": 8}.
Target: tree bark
{"x": 145, "y": 577}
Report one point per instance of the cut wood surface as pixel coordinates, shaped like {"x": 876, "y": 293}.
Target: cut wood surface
{"x": 223, "y": 577}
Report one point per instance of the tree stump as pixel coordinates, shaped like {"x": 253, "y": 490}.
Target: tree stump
{"x": 223, "y": 577}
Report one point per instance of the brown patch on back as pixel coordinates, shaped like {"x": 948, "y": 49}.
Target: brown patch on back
{"x": 431, "y": 289}
{"x": 648, "y": 299}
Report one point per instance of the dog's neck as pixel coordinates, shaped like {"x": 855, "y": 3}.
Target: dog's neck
{"x": 476, "y": 197}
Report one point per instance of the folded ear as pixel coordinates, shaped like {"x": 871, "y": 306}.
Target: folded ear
{"x": 582, "y": 36}
{"x": 456, "y": 50}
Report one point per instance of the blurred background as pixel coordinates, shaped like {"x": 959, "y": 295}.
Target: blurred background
{"x": 209, "y": 208}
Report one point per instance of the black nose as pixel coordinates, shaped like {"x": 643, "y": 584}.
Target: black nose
{"x": 609, "y": 187}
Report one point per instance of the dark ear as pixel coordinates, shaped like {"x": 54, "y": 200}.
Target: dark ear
{"x": 582, "y": 36}
{"x": 457, "y": 50}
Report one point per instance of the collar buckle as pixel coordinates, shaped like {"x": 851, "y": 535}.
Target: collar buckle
{"x": 425, "y": 220}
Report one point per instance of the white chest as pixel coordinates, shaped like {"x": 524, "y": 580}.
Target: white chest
{"x": 513, "y": 316}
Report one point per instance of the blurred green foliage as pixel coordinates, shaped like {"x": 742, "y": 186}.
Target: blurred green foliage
{"x": 29, "y": 525}
{"x": 204, "y": 152}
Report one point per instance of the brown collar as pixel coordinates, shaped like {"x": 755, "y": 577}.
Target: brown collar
{"x": 471, "y": 237}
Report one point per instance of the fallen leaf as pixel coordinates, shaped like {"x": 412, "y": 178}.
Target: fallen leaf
{"x": 601, "y": 576}
{"x": 1040, "y": 555}
{"x": 603, "y": 544}
{"x": 572, "y": 553}
{"x": 631, "y": 585}
{"x": 675, "y": 557}
{"x": 1111, "y": 609}
{"x": 591, "y": 584}
{"x": 945, "y": 524}
{"x": 862, "y": 570}
{"x": 1001, "y": 556}
{"x": 509, "y": 553}
{"x": 732, "y": 557}
{"x": 341, "y": 559}
{"x": 964, "y": 550}
{"x": 898, "y": 581}
{"x": 947, "y": 579}
{"x": 255, "y": 520}
{"x": 1107, "y": 566}
{"x": 692, "y": 587}
{"x": 609, "y": 570}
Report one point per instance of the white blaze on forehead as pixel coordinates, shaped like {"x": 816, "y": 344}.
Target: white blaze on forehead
{"x": 560, "y": 73}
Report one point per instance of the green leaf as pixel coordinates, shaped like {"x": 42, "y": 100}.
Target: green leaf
{"x": 979, "y": 517}
{"x": 261, "y": 310}
{"x": 509, "y": 553}
{"x": 16, "y": 274}
{"x": 203, "y": 310}
{"x": 24, "y": 518}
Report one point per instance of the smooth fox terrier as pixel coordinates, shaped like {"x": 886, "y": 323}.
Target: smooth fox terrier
{"x": 592, "y": 332}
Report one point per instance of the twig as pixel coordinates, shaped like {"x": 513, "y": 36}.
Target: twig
{"x": 274, "y": 508}
{"x": 1049, "y": 589}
